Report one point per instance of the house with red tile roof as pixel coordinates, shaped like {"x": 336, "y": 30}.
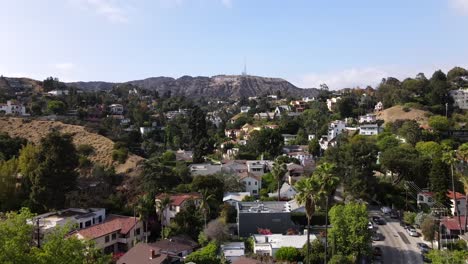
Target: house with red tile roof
{"x": 116, "y": 234}
{"x": 426, "y": 197}
{"x": 451, "y": 226}
{"x": 178, "y": 201}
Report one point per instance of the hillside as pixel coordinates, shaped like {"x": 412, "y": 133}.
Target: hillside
{"x": 396, "y": 112}
{"x": 220, "y": 86}
{"x": 35, "y": 130}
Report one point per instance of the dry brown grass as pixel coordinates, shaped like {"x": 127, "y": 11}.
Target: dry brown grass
{"x": 396, "y": 112}
{"x": 35, "y": 130}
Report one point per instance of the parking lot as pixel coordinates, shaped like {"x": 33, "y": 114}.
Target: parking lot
{"x": 397, "y": 246}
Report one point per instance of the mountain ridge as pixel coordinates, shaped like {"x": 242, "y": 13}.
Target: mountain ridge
{"x": 217, "y": 86}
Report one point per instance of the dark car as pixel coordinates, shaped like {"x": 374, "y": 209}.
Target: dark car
{"x": 377, "y": 251}
{"x": 394, "y": 215}
{"x": 423, "y": 247}
{"x": 376, "y": 236}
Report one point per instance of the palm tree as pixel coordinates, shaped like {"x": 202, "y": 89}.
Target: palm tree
{"x": 307, "y": 191}
{"x": 462, "y": 153}
{"x": 143, "y": 207}
{"x": 278, "y": 171}
{"x": 204, "y": 203}
{"x": 449, "y": 157}
{"x": 328, "y": 182}
{"x": 161, "y": 206}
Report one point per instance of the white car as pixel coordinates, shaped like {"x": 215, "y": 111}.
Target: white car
{"x": 370, "y": 225}
{"x": 412, "y": 232}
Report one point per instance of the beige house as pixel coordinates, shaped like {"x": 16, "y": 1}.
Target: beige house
{"x": 178, "y": 201}
{"x": 116, "y": 234}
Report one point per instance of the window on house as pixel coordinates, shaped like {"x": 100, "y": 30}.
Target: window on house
{"x": 249, "y": 183}
{"x": 254, "y": 191}
{"x": 255, "y": 183}
{"x": 106, "y": 239}
{"x": 100, "y": 219}
{"x": 114, "y": 236}
{"x": 420, "y": 198}
{"x": 88, "y": 223}
{"x": 430, "y": 200}
{"x": 81, "y": 225}
{"x": 138, "y": 231}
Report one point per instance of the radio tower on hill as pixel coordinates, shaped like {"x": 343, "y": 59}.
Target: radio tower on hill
{"x": 244, "y": 73}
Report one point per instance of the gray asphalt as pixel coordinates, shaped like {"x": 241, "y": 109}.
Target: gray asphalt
{"x": 397, "y": 247}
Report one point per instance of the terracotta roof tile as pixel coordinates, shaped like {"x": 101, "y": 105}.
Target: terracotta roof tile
{"x": 178, "y": 199}
{"x": 113, "y": 223}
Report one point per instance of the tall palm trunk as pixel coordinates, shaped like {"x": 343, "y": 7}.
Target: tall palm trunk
{"x": 326, "y": 229}
{"x": 279, "y": 198}
{"x": 308, "y": 240}
{"x": 162, "y": 225}
{"x": 146, "y": 231}
{"x": 466, "y": 211}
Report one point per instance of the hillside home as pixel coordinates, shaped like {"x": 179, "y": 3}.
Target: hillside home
{"x": 299, "y": 105}
{"x": 426, "y": 197}
{"x": 460, "y": 98}
{"x": 232, "y": 251}
{"x": 369, "y": 129}
{"x": 116, "y": 109}
{"x": 264, "y": 116}
{"x": 332, "y": 102}
{"x": 116, "y": 234}
{"x": 178, "y": 202}
{"x": 335, "y": 128}
{"x": 214, "y": 118}
{"x": 76, "y": 217}
{"x": 233, "y": 133}
{"x": 378, "y": 107}
{"x": 451, "y": 226}
{"x": 176, "y": 246}
{"x": 368, "y": 118}
{"x": 245, "y": 109}
{"x": 268, "y": 245}
{"x": 58, "y": 92}
{"x": 203, "y": 169}
{"x": 287, "y": 192}
{"x": 275, "y": 216}
{"x": 257, "y": 167}
{"x": 143, "y": 253}
{"x": 288, "y": 138}
{"x": 252, "y": 182}
{"x": 233, "y": 198}
{"x": 13, "y": 108}
{"x": 308, "y": 99}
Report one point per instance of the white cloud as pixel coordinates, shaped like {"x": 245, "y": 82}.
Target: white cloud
{"x": 354, "y": 77}
{"x": 110, "y": 9}
{"x": 227, "y": 3}
{"x": 460, "y": 5}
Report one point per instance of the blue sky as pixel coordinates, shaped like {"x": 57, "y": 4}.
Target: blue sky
{"x": 308, "y": 42}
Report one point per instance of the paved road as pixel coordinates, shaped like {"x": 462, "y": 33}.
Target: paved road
{"x": 397, "y": 247}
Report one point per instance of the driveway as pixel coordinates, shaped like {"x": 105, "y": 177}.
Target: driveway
{"x": 398, "y": 246}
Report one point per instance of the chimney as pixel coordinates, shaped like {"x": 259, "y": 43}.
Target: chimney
{"x": 266, "y": 239}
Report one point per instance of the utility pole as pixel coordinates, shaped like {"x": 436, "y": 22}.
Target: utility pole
{"x": 446, "y": 110}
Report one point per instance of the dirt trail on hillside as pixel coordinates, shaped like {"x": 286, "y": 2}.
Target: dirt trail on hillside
{"x": 34, "y": 130}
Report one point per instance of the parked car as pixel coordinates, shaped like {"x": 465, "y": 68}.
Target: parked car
{"x": 377, "y": 251}
{"x": 376, "y": 236}
{"x": 378, "y": 220}
{"x": 412, "y": 232}
{"x": 370, "y": 225}
{"x": 423, "y": 247}
{"x": 394, "y": 215}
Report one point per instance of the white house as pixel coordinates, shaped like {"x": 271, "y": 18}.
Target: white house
{"x": 256, "y": 167}
{"x": 244, "y": 109}
{"x": 280, "y": 109}
{"x": 58, "y": 92}
{"x": 233, "y": 250}
{"x": 332, "y": 102}
{"x": 311, "y": 137}
{"x": 378, "y": 107}
{"x": 460, "y": 98}
{"x": 12, "y": 108}
{"x": 335, "y": 128}
{"x": 308, "y": 99}
{"x": 369, "y": 129}
{"x": 267, "y": 245}
{"x": 288, "y": 138}
{"x": 368, "y": 118}
{"x": 178, "y": 201}
{"x": 426, "y": 197}
{"x": 234, "y": 197}
{"x": 77, "y": 217}
{"x": 286, "y": 192}
{"x": 116, "y": 109}
{"x": 252, "y": 182}
{"x": 116, "y": 234}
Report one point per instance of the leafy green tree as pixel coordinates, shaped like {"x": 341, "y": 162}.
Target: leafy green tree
{"x": 439, "y": 92}
{"x": 349, "y": 234}
{"x": 317, "y": 252}
{"x": 386, "y": 141}
{"x": 430, "y": 149}
{"x": 439, "y": 123}
{"x": 161, "y": 208}
{"x": 206, "y": 255}
{"x": 56, "y": 173}
{"x": 288, "y": 254}
{"x": 217, "y": 230}
{"x": 439, "y": 181}
{"x": 188, "y": 221}
{"x": 405, "y": 163}
{"x": 157, "y": 177}
{"x": 456, "y": 73}
{"x": 266, "y": 142}
{"x": 15, "y": 237}
{"x": 411, "y": 131}
{"x": 9, "y": 196}
{"x": 409, "y": 217}
{"x": 314, "y": 147}
{"x": 198, "y": 130}
{"x": 10, "y": 147}
{"x": 56, "y": 107}
{"x": 145, "y": 207}
{"x": 445, "y": 256}
{"x": 340, "y": 259}
{"x": 204, "y": 203}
